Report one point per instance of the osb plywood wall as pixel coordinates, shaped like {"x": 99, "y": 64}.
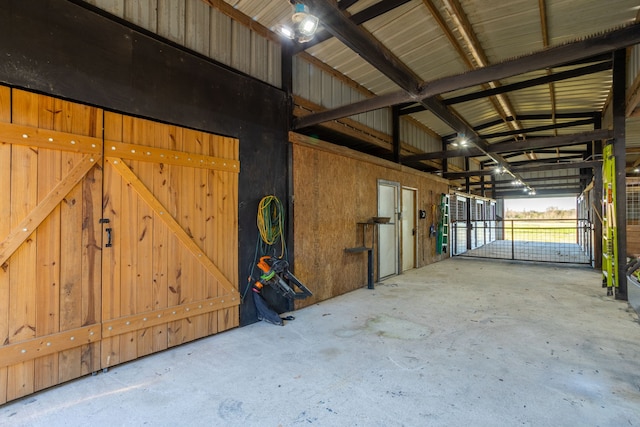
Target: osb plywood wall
{"x": 633, "y": 240}
{"x": 334, "y": 188}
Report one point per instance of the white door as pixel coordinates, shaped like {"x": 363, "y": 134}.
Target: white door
{"x": 409, "y": 228}
{"x": 388, "y": 193}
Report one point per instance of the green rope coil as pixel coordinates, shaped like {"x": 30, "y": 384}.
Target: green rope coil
{"x": 271, "y": 221}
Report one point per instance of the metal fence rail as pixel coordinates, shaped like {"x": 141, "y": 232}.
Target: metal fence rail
{"x": 563, "y": 241}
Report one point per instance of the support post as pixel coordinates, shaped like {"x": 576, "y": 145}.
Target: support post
{"x": 395, "y": 132}
{"x": 445, "y": 160}
{"x": 286, "y": 62}
{"x": 493, "y": 187}
{"x": 619, "y": 151}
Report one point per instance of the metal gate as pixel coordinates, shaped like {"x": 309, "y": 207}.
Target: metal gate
{"x": 560, "y": 241}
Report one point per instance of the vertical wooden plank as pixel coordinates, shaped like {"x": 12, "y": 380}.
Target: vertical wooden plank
{"x": 5, "y": 228}
{"x": 219, "y": 233}
{"x": 48, "y": 250}
{"x": 223, "y": 207}
{"x": 22, "y": 290}
{"x": 230, "y": 232}
{"x": 232, "y": 219}
{"x": 236, "y": 200}
{"x": 144, "y": 132}
{"x": 91, "y": 245}
{"x": 111, "y": 277}
{"x": 198, "y": 229}
{"x": 70, "y": 361}
{"x": 174, "y": 329}
{"x": 160, "y": 237}
{"x": 234, "y": 210}
{"x": 186, "y": 219}
{"x": 127, "y": 236}
{"x": 210, "y": 230}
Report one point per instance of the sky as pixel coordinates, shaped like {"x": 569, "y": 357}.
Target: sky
{"x": 539, "y": 204}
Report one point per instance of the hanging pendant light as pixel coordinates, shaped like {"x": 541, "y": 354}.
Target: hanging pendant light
{"x": 302, "y": 25}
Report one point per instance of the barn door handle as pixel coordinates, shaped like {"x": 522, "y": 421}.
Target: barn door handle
{"x": 108, "y": 230}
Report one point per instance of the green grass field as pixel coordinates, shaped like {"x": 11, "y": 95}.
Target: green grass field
{"x": 552, "y": 231}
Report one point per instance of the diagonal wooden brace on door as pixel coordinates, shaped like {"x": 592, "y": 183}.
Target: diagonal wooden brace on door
{"x": 162, "y": 213}
{"x": 28, "y": 225}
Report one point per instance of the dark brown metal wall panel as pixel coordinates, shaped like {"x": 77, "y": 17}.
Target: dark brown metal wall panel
{"x": 65, "y": 49}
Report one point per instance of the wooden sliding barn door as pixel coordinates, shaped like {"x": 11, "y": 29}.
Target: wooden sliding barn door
{"x": 51, "y": 181}
{"x": 118, "y": 238}
{"x": 170, "y": 272}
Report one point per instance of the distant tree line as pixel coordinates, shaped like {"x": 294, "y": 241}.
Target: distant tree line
{"x": 552, "y": 212}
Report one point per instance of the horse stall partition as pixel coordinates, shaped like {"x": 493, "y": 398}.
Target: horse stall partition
{"x": 108, "y": 258}
{"x": 334, "y": 189}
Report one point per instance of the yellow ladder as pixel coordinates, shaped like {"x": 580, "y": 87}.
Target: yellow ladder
{"x": 609, "y": 228}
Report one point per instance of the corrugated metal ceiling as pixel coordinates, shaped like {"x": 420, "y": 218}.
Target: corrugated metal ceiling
{"x": 484, "y": 32}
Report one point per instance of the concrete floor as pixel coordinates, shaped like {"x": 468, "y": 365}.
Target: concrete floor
{"x": 463, "y": 342}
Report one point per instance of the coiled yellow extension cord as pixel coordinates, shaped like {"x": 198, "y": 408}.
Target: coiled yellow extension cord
{"x": 271, "y": 221}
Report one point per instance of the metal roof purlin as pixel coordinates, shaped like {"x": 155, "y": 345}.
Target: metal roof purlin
{"x": 386, "y": 62}
{"x": 530, "y": 144}
{"x": 555, "y": 166}
{"x": 358, "y": 19}
{"x": 551, "y": 57}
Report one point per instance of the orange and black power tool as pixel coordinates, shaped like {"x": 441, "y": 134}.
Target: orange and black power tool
{"x": 275, "y": 273}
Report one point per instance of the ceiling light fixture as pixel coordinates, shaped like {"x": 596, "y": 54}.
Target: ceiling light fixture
{"x": 462, "y": 139}
{"x": 301, "y": 27}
